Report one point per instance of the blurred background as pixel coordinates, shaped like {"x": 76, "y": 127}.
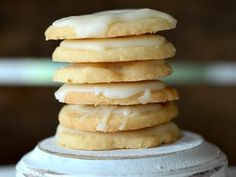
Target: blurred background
{"x": 204, "y": 68}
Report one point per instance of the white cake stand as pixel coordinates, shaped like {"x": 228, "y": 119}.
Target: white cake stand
{"x": 190, "y": 156}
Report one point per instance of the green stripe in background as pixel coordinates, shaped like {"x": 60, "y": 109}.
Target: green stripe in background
{"x": 39, "y": 72}
{"x": 187, "y": 73}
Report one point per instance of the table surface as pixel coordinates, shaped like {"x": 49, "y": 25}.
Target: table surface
{"x": 9, "y": 171}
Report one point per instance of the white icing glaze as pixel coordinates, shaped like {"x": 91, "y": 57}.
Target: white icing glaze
{"x": 146, "y": 96}
{"x": 127, "y": 112}
{"x": 109, "y": 43}
{"x": 98, "y": 23}
{"x": 135, "y": 110}
{"x": 113, "y": 91}
{"x": 123, "y": 123}
{"x": 85, "y": 111}
{"x": 102, "y": 126}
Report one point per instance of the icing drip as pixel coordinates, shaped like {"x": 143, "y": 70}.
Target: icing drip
{"x": 135, "y": 110}
{"x": 127, "y": 112}
{"x": 106, "y": 112}
{"x": 123, "y": 124}
{"x": 146, "y": 96}
{"x": 102, "y": 126}
{"x": 98, "y": 23}
{"x": 113, "y": 91}
{"x": 102, "y": 44}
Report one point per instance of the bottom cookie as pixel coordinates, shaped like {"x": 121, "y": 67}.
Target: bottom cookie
{"x": 143, "y": 138}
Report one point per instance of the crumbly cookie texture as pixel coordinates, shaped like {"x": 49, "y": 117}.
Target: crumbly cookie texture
{"x": 112, "y": 72}
{"x": 142, "y": 138}
{"x": 108, "y": 24}
{"x": 116, "y": 54}
{"x": 116, "y": 118}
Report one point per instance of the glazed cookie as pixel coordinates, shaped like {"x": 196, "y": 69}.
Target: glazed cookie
{"x": 143, "y": 138}
{"x": 110, "y": 24}
{"x": 130, "y": 48}
{"x": 116, "y": 93}
{"x": 112, "y": 72}
{"x": 116, "y": 118}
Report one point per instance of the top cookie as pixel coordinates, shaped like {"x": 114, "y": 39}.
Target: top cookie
{"x": 112, "y": 23}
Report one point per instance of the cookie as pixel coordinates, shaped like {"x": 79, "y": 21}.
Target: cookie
{"x": 112, "y": 72}
{"x": 116, "y": 93}
{"x": 111, "y": 23}
{"x": 130, "y": 48}
{"x": 116, "y": 118}
{"x": 143, "y": 138}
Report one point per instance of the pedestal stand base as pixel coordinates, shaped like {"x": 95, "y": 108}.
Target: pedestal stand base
{"x": 189, "y": 156}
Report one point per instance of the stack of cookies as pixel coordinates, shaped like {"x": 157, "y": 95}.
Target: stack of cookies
{"x": 113, "y": 97}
